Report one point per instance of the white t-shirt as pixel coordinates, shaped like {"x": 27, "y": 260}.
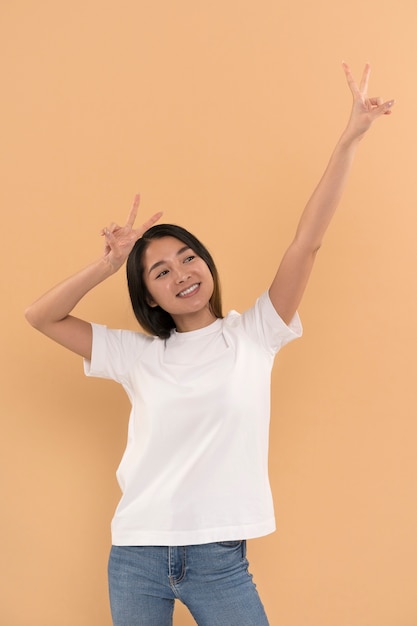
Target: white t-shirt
{"x": 195, "y": 469}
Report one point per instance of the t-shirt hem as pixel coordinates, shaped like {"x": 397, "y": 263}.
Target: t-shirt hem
{"x": 191, "y": 537}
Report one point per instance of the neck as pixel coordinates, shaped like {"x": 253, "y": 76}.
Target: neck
{"x": 194, "y": 321}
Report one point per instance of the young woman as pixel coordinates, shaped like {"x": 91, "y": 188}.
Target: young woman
{"x": 194, "y": 474}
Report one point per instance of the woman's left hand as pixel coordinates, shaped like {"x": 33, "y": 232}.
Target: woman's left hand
{"x": 364, "y": 109}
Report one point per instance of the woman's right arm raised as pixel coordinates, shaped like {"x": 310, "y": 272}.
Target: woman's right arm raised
{"x": 51, "y": 313}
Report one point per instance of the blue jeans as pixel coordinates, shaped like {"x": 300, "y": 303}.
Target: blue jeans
{"x": 212, "y": 580}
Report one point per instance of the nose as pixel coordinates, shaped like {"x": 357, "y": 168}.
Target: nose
{"x": 182, "y": 276}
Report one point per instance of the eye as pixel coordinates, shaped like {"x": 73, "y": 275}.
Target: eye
{"x": 189, "y": 258}
{"x": 163, "y": 273}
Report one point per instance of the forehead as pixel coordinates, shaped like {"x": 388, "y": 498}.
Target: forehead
{"x": 162, "y": 249}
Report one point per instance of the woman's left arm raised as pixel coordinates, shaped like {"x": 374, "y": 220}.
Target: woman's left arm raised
{"x": 293, "y": 273}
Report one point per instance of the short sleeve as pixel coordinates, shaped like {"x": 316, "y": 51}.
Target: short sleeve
{"x": 114, "y": 352}
{"x": 265, "y": 326}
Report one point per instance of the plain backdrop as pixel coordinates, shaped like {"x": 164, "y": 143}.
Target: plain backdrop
{"x": 223, "y": 115}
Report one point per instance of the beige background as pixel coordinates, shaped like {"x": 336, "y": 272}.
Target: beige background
{"x": 222, "y": 114}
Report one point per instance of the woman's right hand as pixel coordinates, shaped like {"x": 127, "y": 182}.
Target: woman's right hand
{"x": 52, "y": 312}
{"x": 119, "y": 240}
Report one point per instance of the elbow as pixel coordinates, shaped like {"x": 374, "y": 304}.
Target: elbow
{"x": 31, "y": 316}
{"x": 308, "y": 246}
{"x": 312, "y": 247}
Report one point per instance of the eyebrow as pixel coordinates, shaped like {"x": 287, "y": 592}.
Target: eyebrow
{"x": 158, "y": 263}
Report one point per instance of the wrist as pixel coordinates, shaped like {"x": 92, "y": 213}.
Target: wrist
{"x": 107, "y": 267}
{"x": 349, "y": 140}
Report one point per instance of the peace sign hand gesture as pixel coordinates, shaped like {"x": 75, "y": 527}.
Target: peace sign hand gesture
{"x": 119, "y": 240}
{"x": 364, "y": 109}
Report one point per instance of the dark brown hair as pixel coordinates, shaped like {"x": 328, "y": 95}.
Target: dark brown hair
{"x": 155, "y": 320}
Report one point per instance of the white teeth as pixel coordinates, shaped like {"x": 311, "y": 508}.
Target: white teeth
{"x": 189, "y": 290}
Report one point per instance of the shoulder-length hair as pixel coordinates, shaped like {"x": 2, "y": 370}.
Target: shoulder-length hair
{"x": 155, "y": 320}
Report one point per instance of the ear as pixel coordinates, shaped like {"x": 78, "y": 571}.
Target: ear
{"x": 151, "y": 302}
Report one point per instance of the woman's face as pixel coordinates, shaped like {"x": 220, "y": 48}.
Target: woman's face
{"x": 178, "y": 281}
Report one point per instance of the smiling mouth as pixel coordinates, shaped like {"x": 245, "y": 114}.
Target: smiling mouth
{"x": 187, "y": 292}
